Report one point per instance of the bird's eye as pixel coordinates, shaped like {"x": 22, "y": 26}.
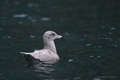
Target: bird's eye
{"x": 53, "y": 34}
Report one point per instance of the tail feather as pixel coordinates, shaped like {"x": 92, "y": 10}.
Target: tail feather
{"x": 29, "y": 57}
{"x": 23, "y": 53}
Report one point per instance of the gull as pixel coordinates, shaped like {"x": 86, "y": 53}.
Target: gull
{"x": 48, "y": 53}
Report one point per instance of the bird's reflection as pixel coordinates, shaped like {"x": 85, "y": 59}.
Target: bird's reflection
{"x": 43, "y": 67}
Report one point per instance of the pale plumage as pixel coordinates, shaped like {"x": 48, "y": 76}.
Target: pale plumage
{"x": 48, "y": 53}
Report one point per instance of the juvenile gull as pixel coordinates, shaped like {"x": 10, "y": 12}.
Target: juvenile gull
{"x": 48, "y": 53}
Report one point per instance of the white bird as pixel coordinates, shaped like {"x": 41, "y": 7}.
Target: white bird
{"x": 48, "y": 53}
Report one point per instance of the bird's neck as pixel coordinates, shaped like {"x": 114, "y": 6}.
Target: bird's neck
{"x": 50, "y": 45}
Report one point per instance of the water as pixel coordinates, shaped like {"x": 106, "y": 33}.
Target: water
{"x": 90, "y": 48}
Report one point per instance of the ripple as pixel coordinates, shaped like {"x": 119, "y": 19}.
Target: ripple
{"x": 17, "y": 2}
{"x": 98, "y": 56}
{"x": 0, "y": 28}
{"x": 2, "y": 17}
{"x": 42, "y": 67}
{"x": 9, "y": 37}
{"x": 31, "y": 19}
{"x": 85, "y": 35}
{"x": 88, "y": 44}
{"x": 77, "y": 78}
{"x": 96, "y": 79}
{"x": 100, "y": 46}
{"x": 110, "y": 33}
{"x": 103, "y": 27}
{"x": 20, "y": 22}
{"x": 32, "y": 5}
{"x": 1, "y": 53}
{"x": 95, "y": 56}
{"x": 70, "y": 60}
{"x": 6, "y": 37}
{"x": 45, "y": 19}
{"x": 112, "y": 28}
{"x": 32, "y": 36}
{"x": 106, "y": 38}
{"x": 67, "y": 34}
{"x": 91, "y": 56}
{"x": 20, "y": 15}
{"x": 54, "y": 6}
{"x": 115, "y": 45}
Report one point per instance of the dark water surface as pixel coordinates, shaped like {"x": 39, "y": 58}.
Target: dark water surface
{"x": 90, "y": 49}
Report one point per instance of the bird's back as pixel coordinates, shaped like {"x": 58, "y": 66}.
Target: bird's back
{"x": 41, "y": 55}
